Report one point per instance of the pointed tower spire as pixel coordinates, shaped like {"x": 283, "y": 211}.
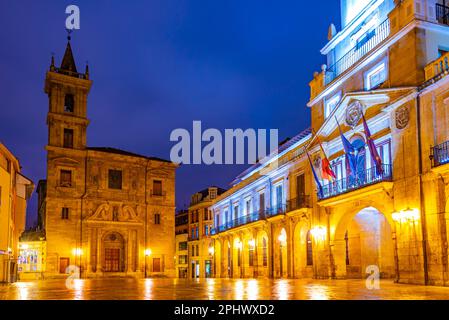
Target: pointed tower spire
{"x": 86, "y": 74}
{"x": 52, "y": 65}
{"x": 68, "y": 62}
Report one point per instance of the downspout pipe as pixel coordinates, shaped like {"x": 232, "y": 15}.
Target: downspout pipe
{"x": 421, "y": 195}
{"x": 80, "y": 254}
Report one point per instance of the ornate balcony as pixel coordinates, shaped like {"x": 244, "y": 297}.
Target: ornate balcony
{"x": 437, "y": 67}
{"x": 364, "y": 179}
{"x": 362, "y": 48}
{"x": 439, "y": 154}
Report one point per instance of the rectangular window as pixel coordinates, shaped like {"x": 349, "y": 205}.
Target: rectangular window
{"x": 157, "y": 218}
{"x": 68, "y": 138}
{"x": 66, "y": 178}
{"x": 69, "y": 103}
{"x": 182, "y": 259}
{"x": 236, "y": 212}
{"x": 115, "y": 179}
{"x": 193, "y": 233}
{"x": 376, "y": 76}
{"x": 206, "y": 230}
{"x": 330, "y": 104}
{"x": 261, "y": 202}
{"x": 65, "y": 213}
{"x": 384, "y": 150}
{"x": 156, "y": 264}
{"x": 196, "y": 232}
{"x": 183, "y": 246}
{"x": 64, "y": 263}
{"x": 278, "y": 197}
{"x": 226, "y": 218}
{"x": 157, "y": 188}
{"x": 248, "y": 206}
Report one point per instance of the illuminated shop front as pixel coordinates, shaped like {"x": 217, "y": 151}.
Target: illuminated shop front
{"x": 32, "y": 256}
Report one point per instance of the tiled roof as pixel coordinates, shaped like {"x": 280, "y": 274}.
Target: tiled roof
{"x": 125, "y": 153}
{"x": 280, "y": 149}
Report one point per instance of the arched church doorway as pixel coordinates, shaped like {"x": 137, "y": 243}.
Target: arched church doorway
{"x": 113, "y": 253}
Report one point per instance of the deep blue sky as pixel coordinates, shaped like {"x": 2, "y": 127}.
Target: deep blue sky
{"x": 159, "y": 65}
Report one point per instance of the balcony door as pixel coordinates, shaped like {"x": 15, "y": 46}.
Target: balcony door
{"x": 262, "y": 202}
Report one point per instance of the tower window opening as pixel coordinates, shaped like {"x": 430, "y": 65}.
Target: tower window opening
{"x": 69, "y": 103}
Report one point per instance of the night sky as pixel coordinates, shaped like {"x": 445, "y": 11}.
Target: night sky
{"x": 159, "y": 65}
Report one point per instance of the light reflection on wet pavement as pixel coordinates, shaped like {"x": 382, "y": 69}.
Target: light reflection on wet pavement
{"x": 216, "y": 289}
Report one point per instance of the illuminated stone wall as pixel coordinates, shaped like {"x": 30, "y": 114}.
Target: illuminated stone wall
{"x": 133, "y": 218}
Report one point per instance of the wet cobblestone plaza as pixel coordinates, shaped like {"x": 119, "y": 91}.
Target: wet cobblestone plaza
{"x": 216, "y": 289}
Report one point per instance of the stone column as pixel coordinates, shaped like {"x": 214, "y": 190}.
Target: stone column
{"x": 288, "y": 225}
{"x": 270, "y": 251}
{"x": 256, "y": 255}
{"x": 99, "y": 250}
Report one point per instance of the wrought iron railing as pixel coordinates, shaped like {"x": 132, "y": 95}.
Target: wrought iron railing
{"x": 300, "y": 202}
{"x": 372, "y": 39}
{"x": 193, "y": 238}
{"x": 442, "y": 14}
{"x": 439, "y": 154}
{"x": 293, "y": 204}
{"x": 71, "y": 73}
{"x": 363, "y": 179}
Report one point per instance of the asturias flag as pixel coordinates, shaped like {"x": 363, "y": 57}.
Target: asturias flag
{"x": 351, "y": 160}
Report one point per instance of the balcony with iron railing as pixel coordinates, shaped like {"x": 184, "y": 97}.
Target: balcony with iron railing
{"x": 442, "y": 14}
{"x": 370, "y": 41}
{"x": 282, "y": 209}
{"x": 439, "y": 154}
{"x": 71, "y": 73}
{"x": 364, "y": 178}
{"x": 193, "y": 237}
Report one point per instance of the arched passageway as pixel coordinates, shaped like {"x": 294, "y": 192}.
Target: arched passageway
{"x": 366, "y": 241}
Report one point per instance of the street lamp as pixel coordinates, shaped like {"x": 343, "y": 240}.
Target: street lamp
{"x": 408, "y": 215}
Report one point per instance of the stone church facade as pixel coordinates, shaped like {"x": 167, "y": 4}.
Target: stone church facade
{"x": 106, "y": 212}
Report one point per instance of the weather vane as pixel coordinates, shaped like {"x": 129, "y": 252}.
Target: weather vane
{"x": 69, "y": 33}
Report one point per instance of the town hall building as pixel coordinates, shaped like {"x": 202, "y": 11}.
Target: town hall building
{"x": 364, "y": 191}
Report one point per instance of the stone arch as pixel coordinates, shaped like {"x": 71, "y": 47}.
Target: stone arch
{"x": 262, "y": 243}
{"x": 302, "y": 269}
{"x": 348, "y": 216}
{"x": 237, "y": 257}
{"x": 227, "y": 258}
{"x": 364, "y": 237}
{"x": 280, "y": 252}
{"x": 248, "y": 254}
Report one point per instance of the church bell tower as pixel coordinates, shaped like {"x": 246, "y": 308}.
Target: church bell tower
{"x": 67, "y": 91}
